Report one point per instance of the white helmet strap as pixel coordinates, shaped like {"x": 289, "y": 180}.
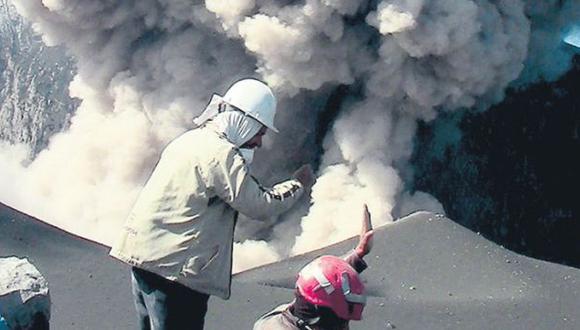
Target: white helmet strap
{"x": 323, "y": 281}
{"x": 348, "y": 295}
{"x": 346, "y": 291}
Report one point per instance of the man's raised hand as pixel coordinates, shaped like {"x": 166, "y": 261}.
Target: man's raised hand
{"x": 365, "y": 242}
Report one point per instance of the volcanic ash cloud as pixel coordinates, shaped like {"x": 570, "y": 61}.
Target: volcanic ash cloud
{"x": 146, "y": 68}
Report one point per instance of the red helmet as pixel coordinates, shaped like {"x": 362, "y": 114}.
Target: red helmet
{"x": 331, "y": 282}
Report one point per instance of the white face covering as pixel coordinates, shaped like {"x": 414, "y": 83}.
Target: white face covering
{"x": 248, "y": 154}
{"x": 234, "y": 124}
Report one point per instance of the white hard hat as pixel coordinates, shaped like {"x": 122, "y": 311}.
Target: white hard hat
{"x": 254, "y": 98}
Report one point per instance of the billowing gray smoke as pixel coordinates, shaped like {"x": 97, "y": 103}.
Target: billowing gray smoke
{"x": 147, "y": 67}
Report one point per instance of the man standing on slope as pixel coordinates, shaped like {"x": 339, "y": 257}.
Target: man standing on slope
{"x": 179, "y": 235}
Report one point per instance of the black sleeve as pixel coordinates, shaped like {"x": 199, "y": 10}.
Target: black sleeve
{"x": 355, "y": 261}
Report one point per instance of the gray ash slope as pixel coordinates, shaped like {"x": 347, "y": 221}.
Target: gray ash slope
{"x": 425, "y": 272}
{"x": 88, "y": 290}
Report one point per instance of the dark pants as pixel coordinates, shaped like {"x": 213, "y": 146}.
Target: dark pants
{"x": 165, "y": 305}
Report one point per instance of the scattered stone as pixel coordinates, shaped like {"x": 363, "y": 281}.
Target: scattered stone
{"x": 24, "y": 296}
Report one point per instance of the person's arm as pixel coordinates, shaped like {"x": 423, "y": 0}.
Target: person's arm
{"x": 234, "y": 184}
{"x": 364, "y": 246}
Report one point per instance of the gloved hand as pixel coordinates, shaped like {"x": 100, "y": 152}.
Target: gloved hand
{"x": 305, "y": 175}
{"x": 365, "y": 242}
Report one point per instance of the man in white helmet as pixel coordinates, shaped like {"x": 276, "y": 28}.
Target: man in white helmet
{"x": 179, "y": 235}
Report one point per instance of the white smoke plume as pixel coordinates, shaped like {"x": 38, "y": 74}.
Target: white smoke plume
{"x": 146, "y": 68}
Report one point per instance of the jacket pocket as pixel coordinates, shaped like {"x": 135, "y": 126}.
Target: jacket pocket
{"x": 198, "y": 263}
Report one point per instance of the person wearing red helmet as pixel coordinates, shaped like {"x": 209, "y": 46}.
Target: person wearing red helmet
{"x": 329, "y": 292}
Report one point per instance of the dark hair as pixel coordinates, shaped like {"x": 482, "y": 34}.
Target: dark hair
{"x": 311, "y": 314}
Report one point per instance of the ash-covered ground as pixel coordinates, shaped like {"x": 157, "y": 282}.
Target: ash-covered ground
{"x": 425, "y": 272}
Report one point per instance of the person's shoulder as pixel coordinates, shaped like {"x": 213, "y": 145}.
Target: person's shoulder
{"x": 274, "y": 320}
{"x": 204, "y": 137}
{"x": 215, "y": 137}
{"x": 201, "y": 133}
{"x": 211, "y": 145}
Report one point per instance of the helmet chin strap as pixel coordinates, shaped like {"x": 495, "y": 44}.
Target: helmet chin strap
{"x": 350, "y": 296}
{"x": 303, "y": 325}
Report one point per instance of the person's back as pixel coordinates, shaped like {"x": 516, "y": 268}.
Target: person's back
{"x": 179, "y": 235}
{"x": 186, "y": 209}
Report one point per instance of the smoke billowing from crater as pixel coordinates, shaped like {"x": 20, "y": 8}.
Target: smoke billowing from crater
{"x": 146, "y": 68}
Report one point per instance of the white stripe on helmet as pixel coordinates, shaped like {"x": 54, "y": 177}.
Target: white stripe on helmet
{"x": 348, "y": 295}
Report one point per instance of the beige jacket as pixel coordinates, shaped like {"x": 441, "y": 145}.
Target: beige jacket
{"x": 182, "y": 225}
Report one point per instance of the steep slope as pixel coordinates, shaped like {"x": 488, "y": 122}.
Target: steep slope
{"x": 88, "y": 290}
{"x": 426, "y": 272}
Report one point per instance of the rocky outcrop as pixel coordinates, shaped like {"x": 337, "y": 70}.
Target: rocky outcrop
{"x": 34, "y": 78}
{"x": 24, "y": 296}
